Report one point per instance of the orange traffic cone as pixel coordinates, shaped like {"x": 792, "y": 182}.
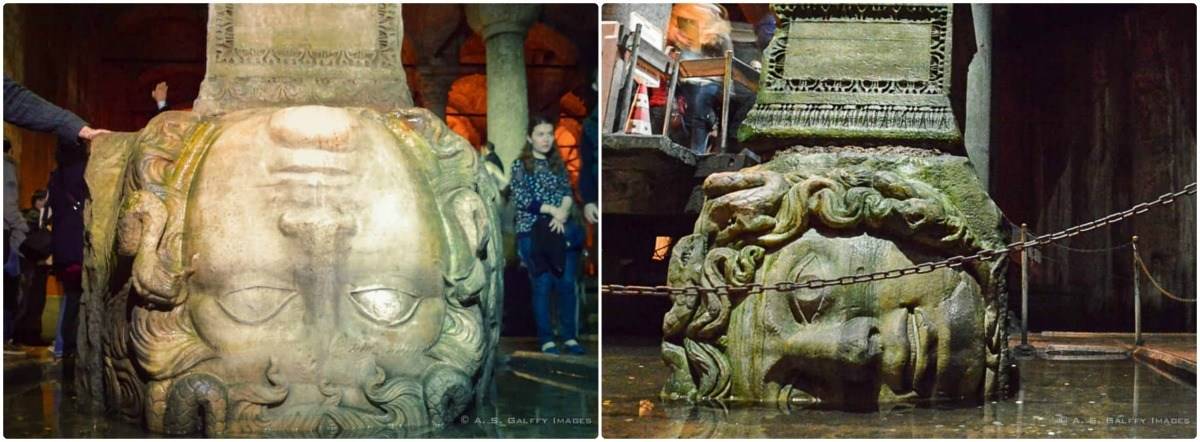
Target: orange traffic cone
{"x": 639, "y": 118}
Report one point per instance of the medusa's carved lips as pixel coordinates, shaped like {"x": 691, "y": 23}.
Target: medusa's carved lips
{"x": 916, "y": 358}
{"x": 310, "y": 178}
{"x": 313, "y": 168}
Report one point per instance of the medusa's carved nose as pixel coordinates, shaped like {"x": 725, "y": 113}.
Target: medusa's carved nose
{"x": 313, "y": 127}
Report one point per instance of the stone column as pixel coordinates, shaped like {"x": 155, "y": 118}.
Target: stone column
{"x": 977, "y": 133}
{"x": 435, "y": 83}
{"x": 503, "y": 28}
{"x": 438, "y": 75}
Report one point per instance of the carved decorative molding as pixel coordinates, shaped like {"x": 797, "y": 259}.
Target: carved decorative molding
{"x": 388, "y": 32}
{"x": 856, "y": 116}
{"x": 868, "y": 73}
{"x": 939, "y": 59}
{"x": 287, "y": 55}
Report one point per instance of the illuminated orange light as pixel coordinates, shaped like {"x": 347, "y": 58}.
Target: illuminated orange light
{"x": 662, "y": 247}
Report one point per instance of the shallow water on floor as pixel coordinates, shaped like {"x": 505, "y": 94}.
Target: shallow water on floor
{"x": 1058, "y": 399}
{"x": 522, "y": 408}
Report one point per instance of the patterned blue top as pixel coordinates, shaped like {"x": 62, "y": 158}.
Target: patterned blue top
{"x": 531, "y": 190}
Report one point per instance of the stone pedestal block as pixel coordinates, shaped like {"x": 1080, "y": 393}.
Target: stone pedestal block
{"x": 856, "y": 74}
{"x": 291, "y": 54}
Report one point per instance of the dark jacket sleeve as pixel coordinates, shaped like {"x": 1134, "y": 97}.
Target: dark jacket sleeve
{"x": 25, "y": 109}
{"x": 588, "y": 155}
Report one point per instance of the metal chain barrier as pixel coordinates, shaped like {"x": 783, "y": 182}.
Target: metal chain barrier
{"x": 1100, "y": 250}
{"x": 956, "y": 261}
{"x": 1138, "y": 257}
{"x": 1069, "y": 248}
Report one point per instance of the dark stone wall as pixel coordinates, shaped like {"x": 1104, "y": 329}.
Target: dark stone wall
{"x": 1094, "y": 111}
{"x": 101, "y": 62}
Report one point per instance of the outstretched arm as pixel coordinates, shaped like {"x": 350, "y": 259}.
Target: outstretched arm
{"x": 25, "y": 109}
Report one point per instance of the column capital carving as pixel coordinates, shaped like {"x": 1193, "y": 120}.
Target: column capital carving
{"x": 494, "y": 19}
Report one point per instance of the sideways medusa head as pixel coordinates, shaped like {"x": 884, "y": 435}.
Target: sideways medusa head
{"x": 297, "y": 270}
{"x": 934, "y": 335}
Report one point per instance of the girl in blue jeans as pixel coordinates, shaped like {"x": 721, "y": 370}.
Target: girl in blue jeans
{"x": 547, "y": 238}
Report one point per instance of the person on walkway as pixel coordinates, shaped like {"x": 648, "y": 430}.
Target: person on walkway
{"x": 68, "y": 191}
{"x": 699, "y": 30}
{"x": 14, "y": 234}
{"x": 29, "y": 111}
{"x": 35, "y": 269}
{"x": 548, "y": 238}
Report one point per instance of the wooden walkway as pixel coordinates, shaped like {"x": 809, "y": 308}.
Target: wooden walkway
{"x": 1172, "y": 353}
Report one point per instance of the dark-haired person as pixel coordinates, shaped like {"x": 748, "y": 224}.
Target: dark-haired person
{"x": 548, "y": 240}
{"x": 68, "y": 192}
{"x": 27, "y": 110}
{"x": 35, "y": 268}
{"x": 699, "y": 30}
{"x": 14, "y": 234}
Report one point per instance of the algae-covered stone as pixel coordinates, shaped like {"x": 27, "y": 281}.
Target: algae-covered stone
{"x": 856, "y": 74}
{"x": 825, "y": 213}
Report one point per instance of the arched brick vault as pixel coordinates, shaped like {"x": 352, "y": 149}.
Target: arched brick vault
{"x": 556, "y": 68}
{"x": 556, "y": 56}
{"x": 466, "y": 114}
{"x": 552, "y": 66}
{"x": 102, "y": 61}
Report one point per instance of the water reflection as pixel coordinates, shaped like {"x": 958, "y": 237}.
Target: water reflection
{"x": 522, "y": 408}
{"x": 1111, "y": 398}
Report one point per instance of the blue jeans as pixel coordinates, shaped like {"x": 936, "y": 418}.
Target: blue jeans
{"x": 546, "y": 282}
{"x": 12, "y": 288}
{"x": 702, "y": 99}
{"x": 68, "y": 320}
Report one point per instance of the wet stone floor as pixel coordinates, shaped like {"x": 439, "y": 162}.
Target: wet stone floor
{"x": 1056, "y": 399}
{"x": 524, "y": 407}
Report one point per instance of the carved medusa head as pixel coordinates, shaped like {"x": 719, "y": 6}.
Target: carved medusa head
{"x": 299, "y": 270}
{"x": 937, "y": 335}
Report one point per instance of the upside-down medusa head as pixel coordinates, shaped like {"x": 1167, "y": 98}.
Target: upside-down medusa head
{"x": 935, "y": 335}
{"x": 297, "y": 270}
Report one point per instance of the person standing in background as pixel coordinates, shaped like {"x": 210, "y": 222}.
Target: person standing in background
{"x": 699, "y": 30}
{"x": 35, "y": 269}
{"x": 548, "y": 239}
{"x": 14, "y": 234}
{"x": 29, "y": 111}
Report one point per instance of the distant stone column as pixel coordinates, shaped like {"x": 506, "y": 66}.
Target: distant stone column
{"x": 977, "y": 134}
{"x": 503, "y": 28}
{"x": 435, "y": 83}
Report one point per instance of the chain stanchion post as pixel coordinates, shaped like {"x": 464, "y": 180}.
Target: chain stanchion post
{"x": 1024, "y": 351}
{"x": 1137, "y": 297}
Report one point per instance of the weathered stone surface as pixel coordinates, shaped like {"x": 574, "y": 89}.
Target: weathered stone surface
{"x": 262, "y": 55}
{"x": 636, "y": 166}
{"x": 257, "y": 267}
{"x": 303, "y": 270}
{"x": 809, "y": 214}
{"x": 856, "y": 74}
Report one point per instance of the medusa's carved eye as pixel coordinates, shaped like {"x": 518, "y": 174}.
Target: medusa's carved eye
{"x": 254, "y": 305}
{"x": 385, "y": 306}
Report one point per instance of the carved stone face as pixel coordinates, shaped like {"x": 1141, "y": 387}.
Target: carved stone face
{"x": 917, "y": 336}
{"x": 316, "y": 253}
{"x": 307, "y": 270}
{"x": 934, "y": 335}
